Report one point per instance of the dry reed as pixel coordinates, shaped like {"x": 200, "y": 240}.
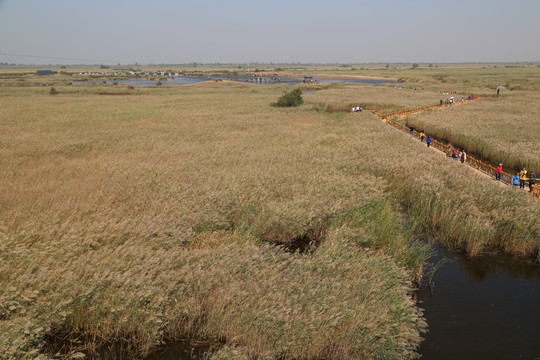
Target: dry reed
{"x": 155, "y": 217}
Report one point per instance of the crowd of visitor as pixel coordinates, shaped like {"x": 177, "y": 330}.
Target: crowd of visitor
{"x": 520, "y": 179}
{"x": 452, "y": 100}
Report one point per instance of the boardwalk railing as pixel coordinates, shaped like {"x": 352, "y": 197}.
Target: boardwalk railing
{"x": 471, "y": 161}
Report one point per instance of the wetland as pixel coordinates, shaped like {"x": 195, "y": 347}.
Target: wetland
{"x": 202, "y": 212}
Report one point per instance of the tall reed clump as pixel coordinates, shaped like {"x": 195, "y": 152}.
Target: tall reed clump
{"x": 470, "y": 216}
{"x": 272, "y": 303}
{"x": 384, "y": 228}
{"x": 282, "y": 306}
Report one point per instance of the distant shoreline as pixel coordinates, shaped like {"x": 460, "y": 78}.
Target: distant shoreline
{"x": 353, "y": 77}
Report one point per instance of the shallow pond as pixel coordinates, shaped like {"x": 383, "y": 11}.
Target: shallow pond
{"x": 486, "y": 307}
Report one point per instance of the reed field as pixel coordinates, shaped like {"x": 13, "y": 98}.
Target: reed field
{"x": 501, "y": 130}
{"x": 174, "y": 213}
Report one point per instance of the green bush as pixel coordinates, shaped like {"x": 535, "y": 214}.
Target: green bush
{"x": 293, "y": 98}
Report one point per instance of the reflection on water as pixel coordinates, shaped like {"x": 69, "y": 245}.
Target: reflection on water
{"x": 493, "y": 264}
{"x": 482, "y": 308}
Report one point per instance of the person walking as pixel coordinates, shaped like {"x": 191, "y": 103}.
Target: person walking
{"x": 428, "y": 141}
{"x": 522, "y": 178}
{"x": 422, "y": 136}
{"x": 411, "y": 128}
{"x": 498, "y": 172}
{"x": 455, "y": 154}
{"x": 532, "y": 181}
{"x": 515, "y": 180}
{"x": 463, "y": 157}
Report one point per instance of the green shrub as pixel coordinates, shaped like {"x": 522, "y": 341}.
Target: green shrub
{"x": 292, "y": 98}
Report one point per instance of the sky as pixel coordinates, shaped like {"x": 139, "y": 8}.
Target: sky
{"x": 264, "y": 31}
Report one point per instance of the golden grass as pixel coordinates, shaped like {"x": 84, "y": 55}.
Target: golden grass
{"x": 383, "y": 98}
{"x": 503, "y": 129}
{"x": 155, "y": 217}
{"x": 101, "y": 196}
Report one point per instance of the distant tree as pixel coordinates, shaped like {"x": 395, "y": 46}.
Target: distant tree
{"x": 415, "y": 66}
{"x": 53, "y": 91}
{"x": 292, "y": 98}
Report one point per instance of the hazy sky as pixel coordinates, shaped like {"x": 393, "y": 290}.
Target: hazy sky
{"x": 242, "y": 31}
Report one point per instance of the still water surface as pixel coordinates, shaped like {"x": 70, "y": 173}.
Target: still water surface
{"x": 482, "y": 308}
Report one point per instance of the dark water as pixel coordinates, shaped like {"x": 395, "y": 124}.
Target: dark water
{"x": 184, "y": 350}
{"x": 482, "y": 308}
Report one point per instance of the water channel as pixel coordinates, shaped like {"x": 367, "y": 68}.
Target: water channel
{"x": 487, "y": 307}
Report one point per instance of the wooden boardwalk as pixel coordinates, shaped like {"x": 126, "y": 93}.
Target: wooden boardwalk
{"x": 436, "y": 144}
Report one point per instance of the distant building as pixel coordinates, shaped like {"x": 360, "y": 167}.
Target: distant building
{"x": 44, "y": 72}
